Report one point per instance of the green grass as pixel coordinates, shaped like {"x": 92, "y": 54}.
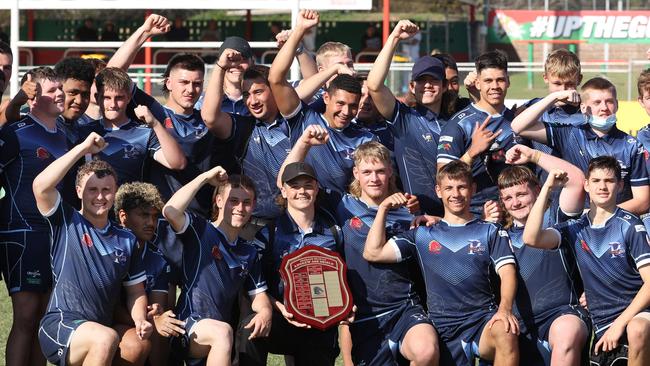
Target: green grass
{"x": 5, "y": 324}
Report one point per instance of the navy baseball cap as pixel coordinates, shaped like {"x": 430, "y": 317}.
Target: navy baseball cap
{"x": 427, "y": 65}
{"x": 238, "y": 44}
{"x": 297, "y": 169}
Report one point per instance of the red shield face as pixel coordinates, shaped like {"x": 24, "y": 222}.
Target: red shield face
{"x": 216, "y": 253}
{"x": 168, "y": 123}
{"x": 434, "y": 247}
{"x": 87, "y": 240}
{"x": 41, "y": 153}
{"x": 356, "y": 223}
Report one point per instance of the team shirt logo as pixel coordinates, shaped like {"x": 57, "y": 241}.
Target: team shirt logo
{"x": 616, "y": 250}
{"x": 168, "y": 123}
{"x": 475, "y": 247}
{"x": 42, "y": 153}
{"x": 120, "y": 256}
{"x": 435, "y": 247}
{"x": 445, "y": 145}
{"x": 356, "y": 223}
{"x": 584, "y": 246}
{"x": 216, "y": 253}
{"x": 428, "y": 137}
{"x": 87, "y": 240}
{"x": 129, "y": 151}
{"x": 244, "y": 269}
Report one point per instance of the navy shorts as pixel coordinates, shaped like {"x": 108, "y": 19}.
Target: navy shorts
{"x": 55, "y": 334}
{"x": 26, "y": 261}
{"x": 459, "y": 343}
{"x": 181, "y": 344}
{"x": 534, "y": 345}
{"x": 377, "y": 341}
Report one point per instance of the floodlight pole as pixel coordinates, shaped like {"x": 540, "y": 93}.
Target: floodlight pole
{"x": 15, "y": 34}
{"x": 385, "y": 26}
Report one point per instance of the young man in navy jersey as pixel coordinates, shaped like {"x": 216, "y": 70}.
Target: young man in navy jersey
{"x": 612, "y": 250}
{"x": 216, "y": 264}
{"x": 643, "y": 88}
{"x": 415, "y": 130}
{"x": 77, "y": 76}
{"x": 456, "y": 256}
{"x": 27, "y": 147}
{"x": 334, "y": 160}
{"x": 598, "y": 137}
{"x": 183, "y": 84}
{"x": 390, "y": 324}
{"x": 133, "y": 144}
{"x": 137, "y": 207}
{"x": 554, "y": 329}
{"x": 91, "y": 260}
{"x": 480, "y": 134}
{"x": 301, "y": 224}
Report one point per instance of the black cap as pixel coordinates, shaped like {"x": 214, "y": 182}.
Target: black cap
{"x": 238, "y": 44}
{"x": 297, "y": 169}
{"x": 427, "y": 65}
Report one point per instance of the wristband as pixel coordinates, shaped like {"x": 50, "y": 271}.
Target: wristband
{"x": 300, "y": 50}
{"x": 221, "y": 67}
{"x": 536, "y": 155}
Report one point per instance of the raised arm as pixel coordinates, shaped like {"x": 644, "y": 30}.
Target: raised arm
{"x": 30, "y": 90}
{"x": 309, "y": 86}
{"x": 170, "y": 154}
{"x": 45, "y": 183}
{"x": 154, "y": 25}
{"x": 308, "y": 66}
{"x": 312, "y": 135}
{"x": 572, "y": 198}
{"x": 534, "y": 235}
{"x": 376, "y": 249}
{"x": 217, "y": 121}
{"x": 527, "y": 124}
{"x": 285, "y": 96}
{"x": 381, "y": 95}
{"x": 174, "y": 210}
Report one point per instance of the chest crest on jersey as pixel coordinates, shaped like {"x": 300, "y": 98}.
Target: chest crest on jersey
{"x": 168, "y": 123}
{"x": 616, "y": 250}
{"x": 130, "y": 152}
{"x": 119, "y": 256}
{"x": 356, "y": 223}
{"x": 584, "y": 246}
{"x": 475, "y": 247}
{"x": 244, "y": 269}
{"x": 87, "y": 240}
{"x": 434, "y": 247}
{"x": 428, "y": 137}
{"x": 216, "y": 253}
{"x": 42, "y": 153}
{"x": 348, "y": 154}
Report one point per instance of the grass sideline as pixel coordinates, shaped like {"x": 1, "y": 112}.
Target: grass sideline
{"x": 5, "y": 324}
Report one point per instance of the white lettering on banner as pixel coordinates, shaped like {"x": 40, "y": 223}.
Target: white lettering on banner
{"x": 607, "y": 27}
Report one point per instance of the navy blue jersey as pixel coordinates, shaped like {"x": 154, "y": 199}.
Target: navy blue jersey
{"x": 608, "y": 258}
{"x": 377, "y": 288}
{"x": 456, "y": 262}
{"x": 643, "y": 136}
{"x": 381, "y": 130}
{"x": 27, "y": 147}
{"x": 71, "y": 127}
{"x": 89, "y": 265}
{"x": 196, "y": 142}
{"x": 261, "y": 148}
{"x": 227, "y": 105}
{"x": 546, "y": 279}
{"x": 416, "y": 132}
{"x": 334, "y": 161}
{"x": 214, "y": 270}
{"x": 157, "y": 270}
{"x": 130, "y": 148}
{"x": 286, "y": 238}
{"x": 566, "y": 114}
{"x": 579, "y": 144}
{"x": 456, "y": 138}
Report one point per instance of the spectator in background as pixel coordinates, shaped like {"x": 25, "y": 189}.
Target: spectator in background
{"x": 211, "y": 34}
{"x": 87, "y": 32}
{"x": 109, "y": 34}
{"x": 371, "y": 40}
{"x": 178, "y": 33}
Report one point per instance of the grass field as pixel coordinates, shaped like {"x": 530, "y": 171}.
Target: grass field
{"x": 5, "y": 324}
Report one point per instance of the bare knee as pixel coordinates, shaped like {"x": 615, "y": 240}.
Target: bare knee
{"x": 568, "y": 333}
{"x": 133, "y": 348}
{"x": 638, "y": 334}
{"x": 420, "y": 345}
{"x": 502, "y": 339}
{"x": 105, "y": 341}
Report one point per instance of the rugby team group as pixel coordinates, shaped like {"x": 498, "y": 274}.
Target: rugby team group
{"x": 472, "y": 232}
